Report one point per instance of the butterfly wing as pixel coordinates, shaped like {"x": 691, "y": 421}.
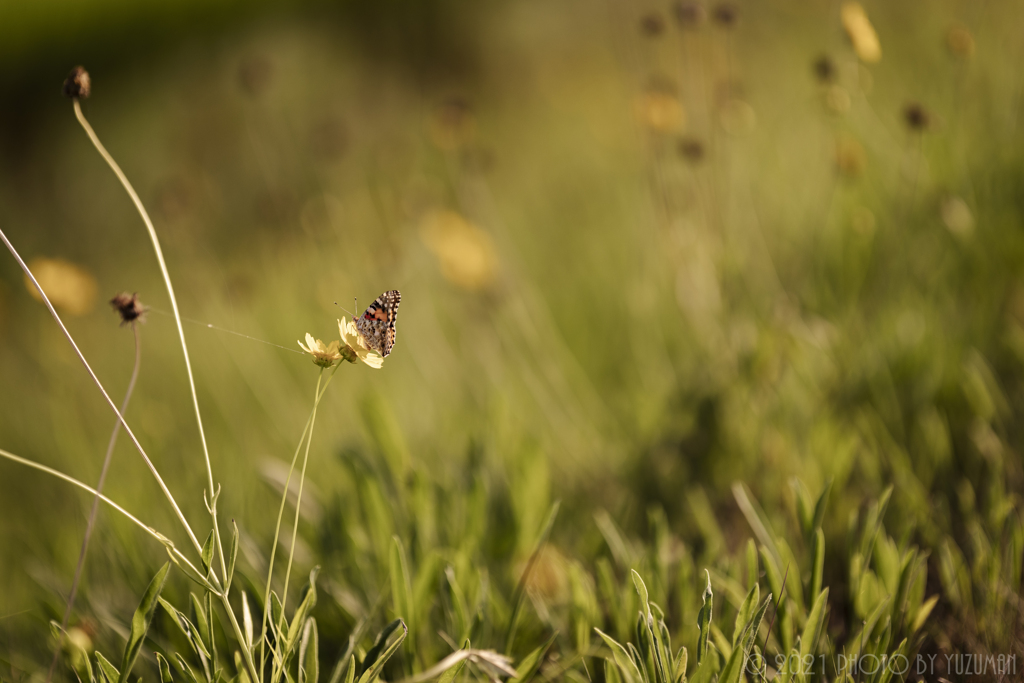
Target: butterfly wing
{"x": 377, "y": 323}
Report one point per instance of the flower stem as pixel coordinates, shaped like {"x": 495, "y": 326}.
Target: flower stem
{"x": 177, "y": 316}
{"x": 307, "y": 431}
{"x": 120, "y": 417}
{"x": 96, "y": 499}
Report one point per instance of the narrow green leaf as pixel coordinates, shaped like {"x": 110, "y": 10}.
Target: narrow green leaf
{"x": 187, "y": 628}
{"x": 350, "y": 675}
{"x": 77, "y": 657}
{"x": 232, "y": 556}
{"x": 401, "y": 584}
{"x": 819, "y": 563}
{"x": 812, "y": 629}
{"x": 752, "y": 564}
{"x": 922, "y": 614}
{"x": 141, "y": 620}
{"x": 106, "y": 668}
{"x": 371, "y": 672}
{"x": 745, "y": 613}
{"x": 185, "y": 668}
{"x": 819, "y": 508}
{"x": 309, "y": 654}
{"x": 520, "y": 592}
{"x": 276, "y": 615}
{"x": 681, "y": 661}
{"x": 202, "y": 622}
{"x": 626, "y": 665}
{"x": 704, "y": 621}
{"x": 899, "y": 656}
{"x": 207, "y": 554}
{"x": 449, "y": 675}
{"x": 381, "y": 643}
{"x": 165, "y": 669}
{"x": 530, "y": 664}
{"x": 299, "y": 618}
{"x": 247, "y": 621}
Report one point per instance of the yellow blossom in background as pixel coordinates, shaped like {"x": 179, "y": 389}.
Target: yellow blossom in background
{"x": 355, "y": 345}
{"x": 960, "y": 41}
{"x": 861, "y": 33}
{"x": 850, "y": 157}
{"x": 69, "y": 287}
{"x": 324, "y": 355}
{"x": 660, "y": 110}
{"x": 465, "y": 252}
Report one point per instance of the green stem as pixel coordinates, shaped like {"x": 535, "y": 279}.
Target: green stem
{"x": 81, "y": 357}
{"x": 177, "y": 316}
{"x": 280, "y": 514}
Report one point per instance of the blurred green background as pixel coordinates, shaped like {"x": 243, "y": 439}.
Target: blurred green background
{"x": 645, "y": 251}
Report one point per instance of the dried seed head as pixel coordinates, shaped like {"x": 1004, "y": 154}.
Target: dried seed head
{"x": 691, "y": 149}
{"x": 689, "y": 14}
{"x": 824, "y": 69}
{"x": 916, "y": 117}
{"x": 77, "y": 85}
{"x": 128, "y": 307}
{"x": 725, "y": 15}
{"x": 652, "y": 25}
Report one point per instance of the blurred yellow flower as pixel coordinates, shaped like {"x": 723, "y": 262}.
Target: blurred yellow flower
{"x": 68, "y": 286}
{"x": 860, "y": 31}
{"x": 355, "y": 345}
{"x": 660, "y": 110}
{"x": 466, "y": 253}
{"x": 960, "y": 41}
{"x": 324, "y": 355}
{"x": 850, "y": 157}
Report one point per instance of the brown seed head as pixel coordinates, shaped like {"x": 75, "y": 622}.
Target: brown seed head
{"x": 689, "y": 14}
{"x": 652, "y": 25}
{"x": 128, "y": 307}
{"x": 691, "y": 149}
{"x": 725, "y": 15}
{"x": 77, "y": 85}
{"x": 824, "y": 69}
{"x": 916, "y": 117}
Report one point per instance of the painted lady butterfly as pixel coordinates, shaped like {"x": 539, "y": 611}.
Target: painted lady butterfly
{"x": 377, "y": 323}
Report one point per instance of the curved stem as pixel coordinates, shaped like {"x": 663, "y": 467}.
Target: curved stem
{"x": 96, "y": 499}
{"x": 174, "y": 306}
{"x": 127, "y": 429}
{"x": 166, "y": 542}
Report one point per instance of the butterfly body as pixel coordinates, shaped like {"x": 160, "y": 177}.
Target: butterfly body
{"x": 377, "y": 323}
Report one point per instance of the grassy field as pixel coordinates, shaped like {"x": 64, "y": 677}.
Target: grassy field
{"x": 692, "y": 295}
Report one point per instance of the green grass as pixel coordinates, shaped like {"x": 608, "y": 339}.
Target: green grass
{"x": 685, "y": 355}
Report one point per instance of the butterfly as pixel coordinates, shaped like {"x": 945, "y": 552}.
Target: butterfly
{"x": 377, "y": 323}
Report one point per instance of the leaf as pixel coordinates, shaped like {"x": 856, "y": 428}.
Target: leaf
{"x": 276, "y": 615}
{"x": 819, "y": 508}
{"x": 165, "y": 669}
{"x": 350, "y": 675}
{"x": 106, "y": 668}
{"x": 520, "y": 593}
{"x": 185, "y": 668}
{"x": 704, "y": 621}
{"x": 745, "y": 613}
{"x": 309, "y": 654}
{"x": 529, "y": 665}
{"x": 141, "y": 620}
{"x": 401, "y": 585}
{"x": 202, "y": 623}
{"x": 247, "y": 621}
{"x": 819, "y": 563}
{"x": 232, "y": 556}
{"x": 78, "y": 658}
{"x": 812, "y": 629}
{"x": 207, "y": 554}
{"x": 922, "y": 614}
{"x": 371, "y": 672}
{"x": 187, "y": 628}
{"x": 752, "y": 564}
{"x": 299, "y": 618}
{"x": 622, "y": 659}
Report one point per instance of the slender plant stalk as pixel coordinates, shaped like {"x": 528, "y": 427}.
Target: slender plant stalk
{"x": 177, "y": 316}
{"x": 120, "y": 417}
{"x": 306, "y": 432}
{"x": 212, "y": 505}
{"x": 166, "y": 542}
{"x": 96, "y": 499}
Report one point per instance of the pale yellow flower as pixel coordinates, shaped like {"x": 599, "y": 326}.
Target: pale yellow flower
{"x": 660, "y": 110}
{"x": 861, "y": 33}
{"x": 466, "y": 253}
{"x": 324, "y": 355}
{"x": 356, "y": 346}
{"x": 68, "y": 286}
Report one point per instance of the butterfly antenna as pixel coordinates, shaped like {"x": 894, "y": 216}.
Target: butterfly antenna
{"x": 344, "y": 309}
